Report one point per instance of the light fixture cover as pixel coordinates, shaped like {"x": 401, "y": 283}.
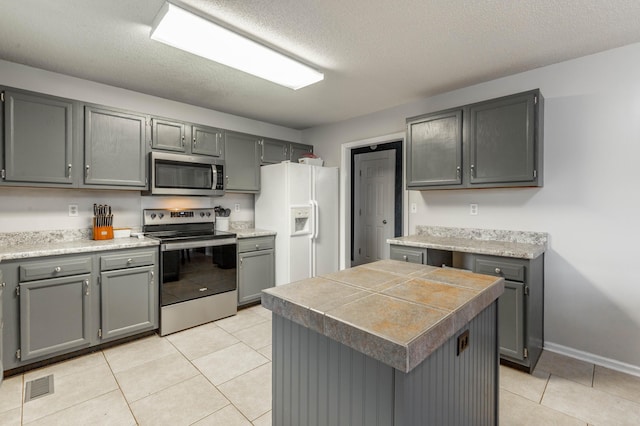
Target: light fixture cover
{"x": 182, "y": 29}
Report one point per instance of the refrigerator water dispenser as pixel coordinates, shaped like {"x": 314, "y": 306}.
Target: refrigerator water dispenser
{"x": 300, "y": 220}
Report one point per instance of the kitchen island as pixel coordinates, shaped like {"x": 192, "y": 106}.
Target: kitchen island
{"x": 387, "y": 343}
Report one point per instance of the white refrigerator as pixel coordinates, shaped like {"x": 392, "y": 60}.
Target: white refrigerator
{"x": 300, "y": 203}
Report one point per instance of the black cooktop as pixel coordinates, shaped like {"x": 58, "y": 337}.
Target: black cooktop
{"x": 190, "y": 234}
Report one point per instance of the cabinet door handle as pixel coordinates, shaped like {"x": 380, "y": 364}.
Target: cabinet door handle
{"x": 69, "y": 170}
{"x": 473, "y": 170}
{"x": 257, "y": 246}
{"x": 194, "y": 142}
{"x": 498, "y": 271}
{"x": 86, "y": 171}
{"x": 405, "y": 257}
{"x": 86, "y": 287}
{"x": 384, "y": 222}
{"x": 57, "y": 269}
{"x": 151, "y": 274}
{"x": 458, "y": 172}
{"x": 241, "y": 259}
{"x": 129, "y": 261}
{"x": 182, "y": 141}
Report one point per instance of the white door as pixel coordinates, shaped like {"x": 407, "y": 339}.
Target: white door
{"x": 373, "y": 205}
{"x": 325, "y": 243}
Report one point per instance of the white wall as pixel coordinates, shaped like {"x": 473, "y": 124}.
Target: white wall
{"x": 32, "y": 209}
{"x": 589, "y": 203}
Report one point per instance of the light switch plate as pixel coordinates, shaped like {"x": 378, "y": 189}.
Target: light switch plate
{"x": 473, "y": 209}
{"x": 414, "y": 208}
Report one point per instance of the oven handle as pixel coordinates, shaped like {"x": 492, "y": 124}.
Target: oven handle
{"x": 197, "y": 244}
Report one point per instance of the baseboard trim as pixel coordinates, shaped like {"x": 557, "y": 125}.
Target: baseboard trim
{"x": 594, "y": 359}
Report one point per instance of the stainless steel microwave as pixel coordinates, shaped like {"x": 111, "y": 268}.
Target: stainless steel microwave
{"x": 182, "y": 174}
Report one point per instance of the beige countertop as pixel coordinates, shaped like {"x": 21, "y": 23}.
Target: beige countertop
{"x": 53, "y": 248}
{"x": 252, "y": 232}
{"x": 516, "y": 244}
{"x": 395, "y": 312}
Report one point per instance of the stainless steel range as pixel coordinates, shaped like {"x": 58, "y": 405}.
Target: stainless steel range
{"x": 197, "y": 267}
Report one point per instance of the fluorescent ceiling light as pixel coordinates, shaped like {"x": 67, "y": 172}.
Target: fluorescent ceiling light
{"x": 184, "y": 30}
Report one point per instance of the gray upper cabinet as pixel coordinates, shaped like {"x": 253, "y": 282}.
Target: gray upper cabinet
{"x": 502, "y": 140}
{"x": 242, "y": 158}
{"x": 178, "y": 136}
{"x": 297, "y": 150}
{"x": 37, "y": 140}
{"x": 435, "y": 144}
{"x": 168, "y": 135}
{"x": 273, "y": 151}
{"x": 207, "y": 141}
{"x": 114, "y": 148}
{"x": 495, "y": 143}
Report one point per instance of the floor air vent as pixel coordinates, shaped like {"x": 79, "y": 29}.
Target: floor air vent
{"x": 38, "y": 388}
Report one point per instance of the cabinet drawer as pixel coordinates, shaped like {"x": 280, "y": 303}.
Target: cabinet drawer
{"x": 54, "y": 268}
{"x": 253, "y": 244}
{"x": 510, "y": 271}
{"x": 410, "y": 255}
{"x": 126, "y": 260}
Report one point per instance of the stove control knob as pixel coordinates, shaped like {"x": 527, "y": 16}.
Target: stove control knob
{"x": 161, "y": 215}
{"x": 153, "y": 215}
{"x": 208, "y": 214}
{"x": 201, "y": 214}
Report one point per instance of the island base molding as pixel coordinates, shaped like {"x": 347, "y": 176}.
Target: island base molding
{"x": 319, "y": 381}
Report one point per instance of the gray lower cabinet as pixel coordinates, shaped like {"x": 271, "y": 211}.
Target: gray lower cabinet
{"x": 2, "y": 286}
{"x": 256, "y": 268}
{"x": 114, "y": 148}
{"x": 242, "y": 160}
{"x": 420, "y": 255}
{"x": 495, "y": 143}
{"x": 520, "y": 308}
{"x": 55, "y": 307}
{"x": 128, "y": 293}
{"x": 38, "y": 139}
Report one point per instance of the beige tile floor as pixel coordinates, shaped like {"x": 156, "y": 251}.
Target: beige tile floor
{"x": 220, "y": 374}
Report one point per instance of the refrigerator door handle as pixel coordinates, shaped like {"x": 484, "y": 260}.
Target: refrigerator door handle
{"x": 316, "y": 219}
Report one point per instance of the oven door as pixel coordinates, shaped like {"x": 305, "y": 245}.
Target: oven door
{"x": 197, "y": 269}
{"x": 198, "y": 283}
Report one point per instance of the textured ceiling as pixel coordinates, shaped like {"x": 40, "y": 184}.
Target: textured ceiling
{"x": 375, "y": 54}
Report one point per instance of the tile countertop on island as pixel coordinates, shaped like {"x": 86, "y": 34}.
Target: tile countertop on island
{"x": 516, "y": 244}
{"x": 23, "y": 245}
{"x": 395, "y": 312}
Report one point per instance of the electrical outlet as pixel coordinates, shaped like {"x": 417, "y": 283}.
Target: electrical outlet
{"x": 73, "y": 210}
{"x": 463, "y": 342}
{"x": 236, "y": 207}
{"x": 473, "y": 209}
{"x": 414, "y": 208}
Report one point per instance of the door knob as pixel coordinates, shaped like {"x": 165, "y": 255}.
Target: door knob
{"x": 384, "y": 222}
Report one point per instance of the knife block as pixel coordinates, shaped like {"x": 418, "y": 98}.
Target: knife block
{"x": 103, "y": 232}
